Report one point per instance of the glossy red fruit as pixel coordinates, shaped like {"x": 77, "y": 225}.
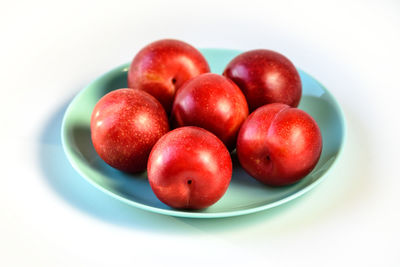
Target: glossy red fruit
{"x": 212, "y": 102}
{"x": 279, "y": 145}
{"x": 125, "y": 124}
{"x": 161, "y": 67}
{"x": 265, "y": 77}
{"x": 189, "y": 168}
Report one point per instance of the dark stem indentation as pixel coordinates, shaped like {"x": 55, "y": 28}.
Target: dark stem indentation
{"x": 189, "y": 181}
{"x": 268, "y": 158}
{"x": 173, "y": 80}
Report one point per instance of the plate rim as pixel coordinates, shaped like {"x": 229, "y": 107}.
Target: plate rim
{"x": 192, "y": 214}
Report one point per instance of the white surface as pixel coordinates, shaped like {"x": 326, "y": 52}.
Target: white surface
{"x": 51, "y": 217}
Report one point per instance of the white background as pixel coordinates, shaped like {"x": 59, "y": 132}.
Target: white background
{"x": 50, "y": 216}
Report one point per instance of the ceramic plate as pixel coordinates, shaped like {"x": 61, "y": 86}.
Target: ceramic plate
{"x": 244, "y": 195}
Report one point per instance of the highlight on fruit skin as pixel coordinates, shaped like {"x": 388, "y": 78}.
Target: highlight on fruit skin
{"x": 161, "y": 67}
{"x": 189, "y": 168}
{"x": 279, "y": 145}
{"x": 265, "y": 77}
{"x": 213, "y": 102}
{"x": 125, "y": 124}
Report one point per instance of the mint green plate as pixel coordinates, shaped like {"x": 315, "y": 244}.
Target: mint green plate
{"x": 244, "y": 195}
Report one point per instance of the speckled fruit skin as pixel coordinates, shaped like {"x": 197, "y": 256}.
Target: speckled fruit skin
{"x": 265, "y": 77}
{"x": 189, "y": 168}
{"x": 161, "y": 67}
{"x": 212, "y": 102}
{"x": 125, "y": 125}
{"x": 278, "y": 145}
